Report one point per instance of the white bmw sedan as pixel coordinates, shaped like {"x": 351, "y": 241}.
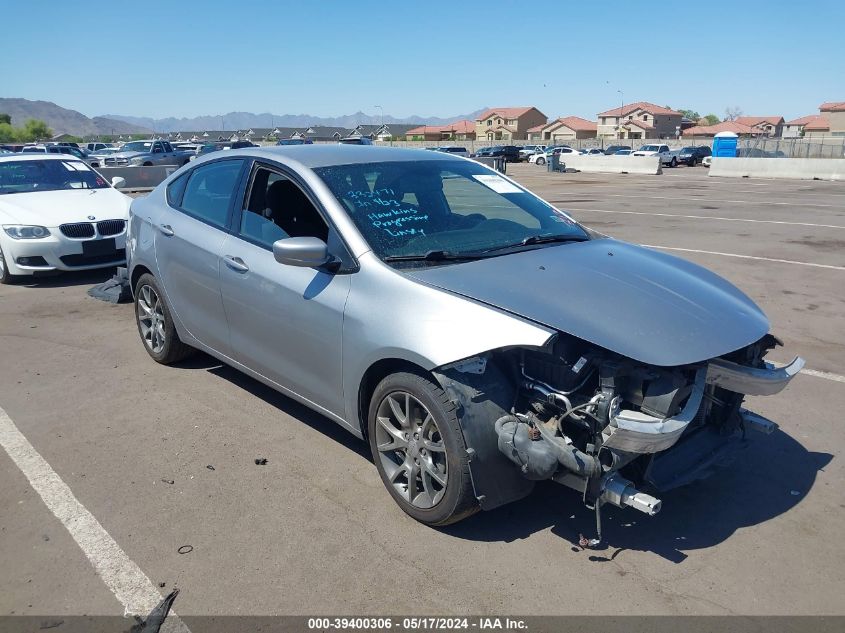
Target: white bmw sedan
{"x": 56, "y": 213}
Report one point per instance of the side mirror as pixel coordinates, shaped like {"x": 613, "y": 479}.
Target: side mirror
{"x": 118, "y": 183}
{"x": 307, "y": 252}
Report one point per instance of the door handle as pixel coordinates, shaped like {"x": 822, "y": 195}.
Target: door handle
{"x": 166, "y": 229}
{"x": 235, "y": 263}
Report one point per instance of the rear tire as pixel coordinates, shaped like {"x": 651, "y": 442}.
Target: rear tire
{"x": 540, "y": 161}
{"x": 674, "y": 162}
{"x": 419, "y": 450}
{"x": 155, "y": 323}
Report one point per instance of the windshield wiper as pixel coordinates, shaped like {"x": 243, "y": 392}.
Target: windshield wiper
{"x": 539, "y": 239}
{"x": 431, "y": 256}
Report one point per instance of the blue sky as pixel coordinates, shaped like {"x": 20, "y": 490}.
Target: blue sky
{"x": 189, "y": 58}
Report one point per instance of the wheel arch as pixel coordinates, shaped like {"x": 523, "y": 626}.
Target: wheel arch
{"x": 137, "y": 271}
{"x": 375, "y": 373}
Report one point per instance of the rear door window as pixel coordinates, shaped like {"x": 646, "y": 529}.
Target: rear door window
{"x": 210, "y": 190}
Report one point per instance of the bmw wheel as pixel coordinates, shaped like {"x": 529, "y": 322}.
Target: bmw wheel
{"x": 5, "y": 276}
{"x": 155, "y": 324}
{"x": 419, "y": 449}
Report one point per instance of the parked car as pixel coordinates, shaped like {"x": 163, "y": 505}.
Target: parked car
{"x": 12, "y": 147}
{"x": 457, "y": 150}
{"x": 294, "y": 141}
{"x": 527, "y": 151}
{"x": 663, "y": 151}
{"x": 357, "y": 280}
{"x": 707, "y": 161}
{"x": 51, "y": 222}
{"x": 96, "y": 146}
{"x": 592, "y": 151}
{"x": 543, "y": 158}
{"x": 355, "y": 140}
{"x": 623, "y": 152}
{"x": 693, "y": 155}
{"x": 148, "y": 153}
{"x": 612, "y": 149}
{"x": 510, "y": 152}
{"x": 68, "y": 150}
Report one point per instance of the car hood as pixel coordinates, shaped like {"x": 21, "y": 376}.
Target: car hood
{"x": 127, "y": 154}
{"x": 52, "y": 208}
{"x": 637, "y": 302}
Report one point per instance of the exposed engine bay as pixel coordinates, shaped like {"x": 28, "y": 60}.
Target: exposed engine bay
{"x": 611, "y": 427}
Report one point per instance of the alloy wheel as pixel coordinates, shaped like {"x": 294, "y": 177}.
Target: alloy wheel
{"x": 411, "y": 449}
{"x": 151, "y": 319}
{"x": 2, "y": 263}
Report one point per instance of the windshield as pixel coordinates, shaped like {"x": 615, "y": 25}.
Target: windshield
{"x": 458, "y": 207}
{"x": 137, "y": 146}
{"x": 650, "y": 148}
{"x": 26, "y": 176}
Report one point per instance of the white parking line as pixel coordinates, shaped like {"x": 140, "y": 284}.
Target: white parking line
{"x": 707, "y": 217}
{"x": 823, "y": 374}
{"x": 706, "y": 199}
{"x": 765, "y": 259}
{"x": 122, "y": 576}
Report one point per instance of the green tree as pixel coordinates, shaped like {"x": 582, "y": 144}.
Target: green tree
{"x": 711, "y": 119}
{"x": 5, "y": 118}
{"x": 8, "y": 134}
{"x": 35, "y": 130}
{"x": 692, "y": 115}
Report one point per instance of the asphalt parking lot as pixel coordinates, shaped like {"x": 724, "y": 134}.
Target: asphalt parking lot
{"x": 163, "y": 457}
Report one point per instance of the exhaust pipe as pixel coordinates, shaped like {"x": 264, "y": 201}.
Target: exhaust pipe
{"x": 621, "y": 492}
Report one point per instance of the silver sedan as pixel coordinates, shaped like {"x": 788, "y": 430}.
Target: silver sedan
{"x": 477, "y": 337}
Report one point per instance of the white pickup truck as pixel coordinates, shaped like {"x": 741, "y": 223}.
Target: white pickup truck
{"x": 667, "y": 156}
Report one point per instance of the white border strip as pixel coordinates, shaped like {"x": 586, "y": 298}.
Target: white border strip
{"x": 121, "y": 575}
{"x": 823, "y": 374}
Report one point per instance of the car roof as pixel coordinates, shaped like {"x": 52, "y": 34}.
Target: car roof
{"x": 38, "y": 156}
{"x": 312, "y": 156}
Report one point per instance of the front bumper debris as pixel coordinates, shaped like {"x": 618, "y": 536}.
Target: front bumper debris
{"x": 753, "y": 381}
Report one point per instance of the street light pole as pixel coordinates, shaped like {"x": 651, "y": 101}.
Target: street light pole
{"x": 621, "y": 108}
{"x": 382, "y": 113}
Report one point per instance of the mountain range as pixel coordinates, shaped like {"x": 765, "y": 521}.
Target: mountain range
{"x": 64, "y": 121}
{"x": 246, "y": 120}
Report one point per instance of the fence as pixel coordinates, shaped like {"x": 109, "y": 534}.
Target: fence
{"x": 761, "y": 147}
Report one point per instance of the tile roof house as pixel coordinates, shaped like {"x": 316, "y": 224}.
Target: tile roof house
{"x": 766, "y": 125}
{"x": 507, "y": 124}
{"x": 562, "y": 129}
{"x": 818, "y": 125}
{"x": 834, "y": 112}
{"x": 640, "y": 119}
{"x": 795, "y": 127}
{"x": 741, "y": 129}
{"x": 455, "y": 131}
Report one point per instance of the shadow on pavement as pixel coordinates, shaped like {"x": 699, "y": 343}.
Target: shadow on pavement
{"x": 67, "y": 279}
{"x": 769, "y": 477}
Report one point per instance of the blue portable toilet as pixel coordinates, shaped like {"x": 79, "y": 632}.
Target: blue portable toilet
{"x": 724, "y": 145}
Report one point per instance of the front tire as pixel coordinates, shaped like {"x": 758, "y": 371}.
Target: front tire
{"x": 6, "y": 277}
{"x": 155, "y": 323}
{"x": 419, "y": 450}
{"x": 540, "y": 161}
{"x": 674, "y": 162}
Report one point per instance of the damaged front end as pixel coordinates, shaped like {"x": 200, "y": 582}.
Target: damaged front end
{"x": 602, "y": 424}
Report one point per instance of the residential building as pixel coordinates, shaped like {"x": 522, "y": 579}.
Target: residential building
{"x": 795, "y": 127}
{"x": 455, "y": 131}
{"x": 834, "y": 112}
{"x": 563, "y": 129}
{"x": 739, "y": 129}
{"x": 639, "y": 120}
{"x": 818, "y": 126}
{"x": 771, "y": 126}
{"x": 507, "y": 124}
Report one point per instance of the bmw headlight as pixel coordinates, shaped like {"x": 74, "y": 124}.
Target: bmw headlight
{"x": 137, "y": 161}
{"x": 26, "y": 232}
